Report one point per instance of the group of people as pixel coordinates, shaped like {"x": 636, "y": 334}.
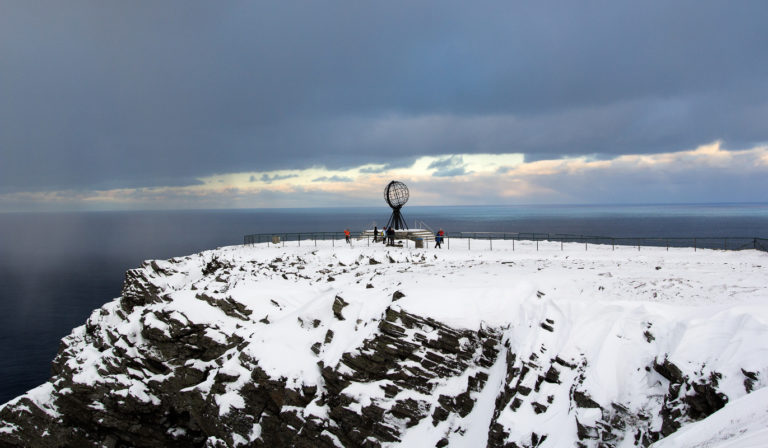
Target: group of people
{"x": 387, "y": 235}
{"x": 439, "y": 235}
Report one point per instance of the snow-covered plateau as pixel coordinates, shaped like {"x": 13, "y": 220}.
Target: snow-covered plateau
{"x": 375, "y": 346}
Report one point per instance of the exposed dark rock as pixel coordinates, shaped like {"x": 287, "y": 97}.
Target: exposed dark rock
{"x": 648, "y": 336}
{"x": 231, "y": 307}
{"x": 583, "y": 400}
{"x": 552, "y": 375}
{"x": 138, "y": 290}
{"x": 669, "y": 371}
{"x": 704, "y": 400}
{"x": 338, "y": 305}
{"x": 538, "y": 408}
{"x": 214, "y": 265}
{"x": 750, "y": 378}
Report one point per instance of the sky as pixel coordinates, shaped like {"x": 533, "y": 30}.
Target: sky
{"x": 109, "y": 105}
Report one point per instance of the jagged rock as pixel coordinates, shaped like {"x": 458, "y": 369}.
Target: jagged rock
{"x": 338, "y": 305}
{"x": 138, "y": 290}
{"x": 648, "y": 336}
{"x": 669, "y": 371}
{"x": 230, "y": 306}
{"x": 750, "y": 378}
{"x": 583, "y": 400}
{"x": 214, "y": 265}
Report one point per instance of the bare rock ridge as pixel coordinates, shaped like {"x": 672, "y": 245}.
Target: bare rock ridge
{"x": 190, "y": 356}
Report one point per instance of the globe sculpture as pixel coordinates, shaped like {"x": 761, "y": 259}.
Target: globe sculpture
{"x": 396, "y": 195}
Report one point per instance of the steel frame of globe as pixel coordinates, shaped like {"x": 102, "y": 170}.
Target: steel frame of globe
{"x": 396, "y": 194}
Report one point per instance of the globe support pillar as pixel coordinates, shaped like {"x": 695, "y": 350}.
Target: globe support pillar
{"x": 396, "y": 220}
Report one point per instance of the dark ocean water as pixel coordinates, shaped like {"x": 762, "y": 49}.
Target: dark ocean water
{"x": 55, "y": 268}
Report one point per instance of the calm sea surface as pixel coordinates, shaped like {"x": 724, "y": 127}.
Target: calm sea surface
{"x": 55, "y": 268}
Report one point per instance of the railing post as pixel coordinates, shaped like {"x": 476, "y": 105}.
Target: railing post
{"x": 613, "y": 244}
{"x": 299, "y": 240}
{"x": 513, "y": 244}
{"x": 725, "y": 243}
{"x": 667, "y": 245}
{"x": 491, "y": 241}
{"x": 469, "y": 243}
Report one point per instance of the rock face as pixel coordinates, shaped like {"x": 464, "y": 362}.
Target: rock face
{"x": 249, "y": 347}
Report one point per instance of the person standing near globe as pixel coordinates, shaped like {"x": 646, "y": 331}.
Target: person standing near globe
{"x": 346, "y": 235}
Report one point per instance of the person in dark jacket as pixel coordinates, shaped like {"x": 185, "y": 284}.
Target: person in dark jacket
{"x": 439, "y": 239}
{"x": 391, "y": 235}
{"x": 375, "y": 234}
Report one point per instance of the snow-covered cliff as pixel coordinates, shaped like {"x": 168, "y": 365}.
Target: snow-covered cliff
{"x": 373, "y": 346}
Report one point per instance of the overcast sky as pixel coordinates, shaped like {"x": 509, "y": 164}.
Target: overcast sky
{"x": 131, "y": 105}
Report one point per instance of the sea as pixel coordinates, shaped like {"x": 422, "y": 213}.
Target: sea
{"x": 56, "y": 267}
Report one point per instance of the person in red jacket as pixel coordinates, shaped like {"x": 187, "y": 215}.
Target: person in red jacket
{"x": 346, "y": 235}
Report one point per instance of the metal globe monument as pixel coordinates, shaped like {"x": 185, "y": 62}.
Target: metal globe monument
{"x": 396, "y": 195}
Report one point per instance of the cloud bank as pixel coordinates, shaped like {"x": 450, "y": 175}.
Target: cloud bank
{"x": 708, "y": 171}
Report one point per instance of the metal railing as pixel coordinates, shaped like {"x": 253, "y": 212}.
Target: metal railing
{"x": 722, "y": 243}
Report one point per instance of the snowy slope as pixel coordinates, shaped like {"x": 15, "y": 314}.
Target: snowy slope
{"x": 375, "y": 346}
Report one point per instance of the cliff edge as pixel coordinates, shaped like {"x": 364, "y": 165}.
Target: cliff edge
{"x": 306, "y": 347}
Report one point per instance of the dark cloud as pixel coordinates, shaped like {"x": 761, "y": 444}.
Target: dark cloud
{"x": 620, "y": 185}
{"x": 448, "y": 167}
{"x": 333, "y": 178}
{"x": 104, "y": 95}
{"x": 269, "y": 179}
{"x": 376, "y": 170}
{"x": 446, "y": 162}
